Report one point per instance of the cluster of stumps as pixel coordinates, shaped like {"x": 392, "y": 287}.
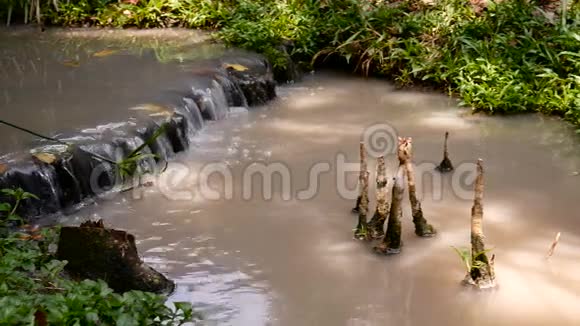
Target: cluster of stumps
{"x": 481, "y": 274}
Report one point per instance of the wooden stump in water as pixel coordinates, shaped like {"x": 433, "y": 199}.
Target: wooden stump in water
{"x": 405, "y": 154}
{"x": 94, "y": 252}
{"x": 361, "y": 231}
{"x": 377, "y": 223}
{"x": 482, "y": 273}
{"x": 391, "y": 243}
{"x": 363, "y": 169}
{"x": 445, "y": 165}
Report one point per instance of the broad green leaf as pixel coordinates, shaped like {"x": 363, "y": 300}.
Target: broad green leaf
{"x": 5, "y": 207}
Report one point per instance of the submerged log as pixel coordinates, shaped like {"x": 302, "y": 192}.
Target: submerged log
{"x": 361, "y": 231}
{"x": 94, "y": 252}
{"x": 445, "y": 165}
{"x": 377, "y": 223}
{"x": 391, "y": 243}
{"x": 482, "y": 273}
{"x": 405, "y": 154}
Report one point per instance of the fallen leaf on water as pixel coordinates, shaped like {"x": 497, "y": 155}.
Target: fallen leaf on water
{"x": 3, "y": 168}
{"x": 71, "y": 63}
{"x": 154, "y": 109}
{"x": 45, "y": 157}
{"x": 160, "y": 114}
{"x": 104, "y": 53}
{"x": 235, "y": 66}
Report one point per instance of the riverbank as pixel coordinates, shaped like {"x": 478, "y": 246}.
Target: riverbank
{"x": 34, "y": 290}
{"x": 508, "y": 57}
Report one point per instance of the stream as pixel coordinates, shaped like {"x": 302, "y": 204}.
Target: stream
{"x": 281, "y": 252}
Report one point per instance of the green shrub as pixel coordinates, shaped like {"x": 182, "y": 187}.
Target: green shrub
{"x": 33, "y": 286}
{"x": 509, "y": 58}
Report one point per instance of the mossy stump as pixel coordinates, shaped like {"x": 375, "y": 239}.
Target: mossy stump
{"x": 391, "y": 243}
{"x": 361, "y": 231}
{"x": 377, "y": 223}
{"x": 445, "y": 165}
{"x": 482, "y": 274}
{"x": 405, "y": 154}
{"x": 94, "y": 252}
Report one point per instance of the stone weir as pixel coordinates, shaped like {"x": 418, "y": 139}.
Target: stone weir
{"x": 83, "y": 165}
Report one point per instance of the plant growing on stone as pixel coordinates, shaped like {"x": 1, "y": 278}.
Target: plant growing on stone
{"x": 128, "y": 167}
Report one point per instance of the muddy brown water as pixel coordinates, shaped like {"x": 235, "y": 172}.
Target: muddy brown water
{"x": 248, "y": 260}
{"x": 62, "y": 81}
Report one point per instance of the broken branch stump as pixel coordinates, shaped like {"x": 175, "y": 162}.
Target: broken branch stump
{"x": 391, "y": 243}
{"x": 94, "y": 252}
{"x": 405, "y": 154}
{"x": 361, "y": 231}
{"x": 377, "y": 223}
{"x": 482, "y": 273}
{"x": 445, "y": 165}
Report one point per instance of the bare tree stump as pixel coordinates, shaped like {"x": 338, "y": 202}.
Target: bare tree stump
{"x": 361, "y": 231}
{"x": 94, "y": 252}
{"x": 482, "y": 273}
{"x": 405, "y": 154}
{"x": 377, "y": 223}
{"x": 445, "y": 165}
{"x": 391, "y": 243}
{"x": 363, "y": 169}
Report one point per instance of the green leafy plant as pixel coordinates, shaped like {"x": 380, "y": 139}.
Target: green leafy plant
{"x": 470, "y": 263}
{"x": 34, "y": 288}
{"x": 509, "y": 58}
{"x": 128, "y": 166}
{"x": 8, "y": 210}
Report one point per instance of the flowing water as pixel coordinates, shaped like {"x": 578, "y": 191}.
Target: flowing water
{"x": 243, "y": 258}
{"x": 247, "y": 260}
{"x": 63, "y": 80}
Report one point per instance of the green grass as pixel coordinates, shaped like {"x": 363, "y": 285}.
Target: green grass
{"x": 33, "y": 287}
{"x": 508, "y": 59}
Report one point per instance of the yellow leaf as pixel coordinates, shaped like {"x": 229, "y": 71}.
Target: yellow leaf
{"x": 72, "y": 63}
{"x": 235, "y": 66}
{"x": 154, "y": 109}
{"x": 3, "y": 168}
{"x": 45, "y": 157}
{"x": 104, "y": 53}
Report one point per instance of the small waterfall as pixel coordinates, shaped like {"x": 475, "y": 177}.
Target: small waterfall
{"x": 219, "y": 99}
{"x": 233, "y": 92}
{"x": 205, "y": 104}
{"x": 85, "y": 169}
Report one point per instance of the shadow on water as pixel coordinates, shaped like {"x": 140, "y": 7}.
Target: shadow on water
{"x": 255, "y": 261}
{"x": 258, "y": 261}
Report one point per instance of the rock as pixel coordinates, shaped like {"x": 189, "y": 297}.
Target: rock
{"x": 85, "y": 166}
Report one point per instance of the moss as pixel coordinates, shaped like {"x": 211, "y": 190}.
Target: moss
{"x": 376, "y": 225}
{"x": 422, "y": 228}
